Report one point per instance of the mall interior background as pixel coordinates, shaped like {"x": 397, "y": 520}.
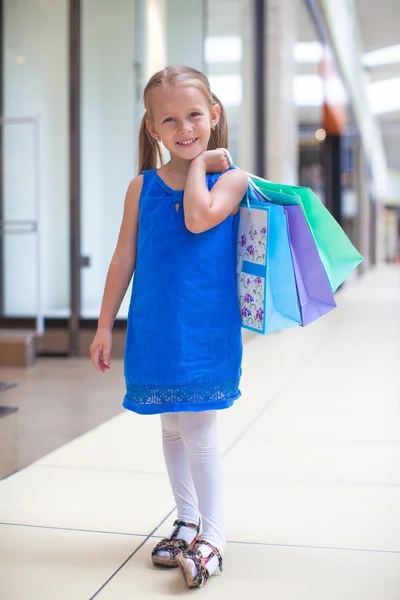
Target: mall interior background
{"x": 290, "y": 75}
{"x": 312, "y": 91}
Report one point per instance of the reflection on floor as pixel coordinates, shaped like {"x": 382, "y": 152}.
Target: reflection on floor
{"x": 312, "y": 464}
{"x": 58, "y": 400}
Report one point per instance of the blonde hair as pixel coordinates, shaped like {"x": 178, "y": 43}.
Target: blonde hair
{"x": 150, "y": 153}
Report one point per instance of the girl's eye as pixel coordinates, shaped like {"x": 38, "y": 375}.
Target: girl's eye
{"x": 168, "y": 120}
{"x": 194, "y": 114}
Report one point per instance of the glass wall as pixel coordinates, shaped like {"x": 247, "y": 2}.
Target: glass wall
{"x": 117, "y": 47}
{"x": 35, "y": 155}
{"x": 229, "y": 64}
{"x": 185, "y": 26}
{"x": 214, "y": 36}
{"x": 217, "y": 37}
{"x": 108, "y": 137}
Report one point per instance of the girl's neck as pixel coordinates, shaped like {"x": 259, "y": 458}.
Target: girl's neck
{"x": 177, "y": 166}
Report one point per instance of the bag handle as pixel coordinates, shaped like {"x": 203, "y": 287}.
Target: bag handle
{"x": 251, "y": 185}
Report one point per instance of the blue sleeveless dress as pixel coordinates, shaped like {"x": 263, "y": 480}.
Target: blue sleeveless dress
{"x": 183, "y": 348}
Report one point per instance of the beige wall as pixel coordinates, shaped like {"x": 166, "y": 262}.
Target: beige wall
{"x": 282, "y": 128}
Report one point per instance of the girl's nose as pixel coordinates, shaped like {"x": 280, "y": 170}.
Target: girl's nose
{"x": 185, "y": 127}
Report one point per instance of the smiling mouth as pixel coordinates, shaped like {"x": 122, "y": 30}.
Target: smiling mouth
{"x": 187, "y": 143}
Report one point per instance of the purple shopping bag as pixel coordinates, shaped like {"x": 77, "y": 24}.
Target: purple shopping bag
{"x": 313, "y": 288}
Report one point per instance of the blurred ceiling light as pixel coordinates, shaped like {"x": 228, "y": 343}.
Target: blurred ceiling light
{"x": 384, "y": 96}
{"x": 224, "y": 49}
{"x": 383, "y": 56}
{"x": 228, "y": 88}
{"x": 308, "y": 52}
{"x": 20, "y": 60}
{"x": 308, "y": 90}
{"x": 320, "y": 134}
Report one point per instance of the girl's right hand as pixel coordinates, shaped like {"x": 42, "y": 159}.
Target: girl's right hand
{"x": 100, "y": 350}
{"x": 216, "y": 161}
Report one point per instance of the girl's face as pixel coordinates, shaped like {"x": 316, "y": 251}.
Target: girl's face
{"x": 182, "y": 120}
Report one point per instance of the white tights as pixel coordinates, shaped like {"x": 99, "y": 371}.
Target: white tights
{"x": 194, "y": 464}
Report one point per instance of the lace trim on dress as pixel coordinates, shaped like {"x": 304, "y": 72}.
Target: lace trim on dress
{"x": 198, "y": 392}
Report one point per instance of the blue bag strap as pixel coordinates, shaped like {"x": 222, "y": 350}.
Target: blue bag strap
{"x": 261, "y": 193}
{"x": 247, "y": 197}
{"x": 262, "y": 196}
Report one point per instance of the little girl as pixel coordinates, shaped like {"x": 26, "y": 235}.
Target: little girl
{"x": 183, "y": 346}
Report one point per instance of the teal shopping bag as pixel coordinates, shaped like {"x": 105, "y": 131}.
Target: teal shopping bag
{"x": 337, "y": 253}
{"x": 265, "y": 273}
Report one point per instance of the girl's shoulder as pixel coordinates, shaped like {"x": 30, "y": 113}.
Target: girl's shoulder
{"x": 135, "y": 186}
{"x": 133, "y": 193}
{"x": 142, "y": 181}
{"x": 231, "y": 178}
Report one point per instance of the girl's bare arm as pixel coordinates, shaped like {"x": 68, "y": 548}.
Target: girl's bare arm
{"x": 123, "y": 262}
{"x": 205, "y": 209}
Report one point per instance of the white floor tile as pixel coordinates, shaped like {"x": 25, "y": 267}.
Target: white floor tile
{"x": 316, "y": 461}
{"x": 291, "y": 420}
{"x": 125, "y": 434}
{"x": 269, "y": 572}
{"x": 307, "y": 514}
{"x": 49, "y": 564}
{"x": 310, "y": 514}
{"x": 110, "y": 501}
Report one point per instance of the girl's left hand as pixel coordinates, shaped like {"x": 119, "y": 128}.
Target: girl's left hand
{"x": 215, "y": 161}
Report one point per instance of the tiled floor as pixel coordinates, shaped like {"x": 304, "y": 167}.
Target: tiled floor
{"x": 59, "y": 400}
{"x": 312, "y": 467}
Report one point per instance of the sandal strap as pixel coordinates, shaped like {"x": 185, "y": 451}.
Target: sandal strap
{"x": 214, "y": 552}
{"x": 173, "y": 544}
{"x": 178, "y": 524}
{"x": 201, "y": 561}
{"x": 174, "y": 547}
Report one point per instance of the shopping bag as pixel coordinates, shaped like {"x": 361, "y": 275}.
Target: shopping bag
{"x": 265, "y": 273}
{"x": 337, "y": 253}
{"x": 315, "y": 296}
{"x": 313, "y": 288}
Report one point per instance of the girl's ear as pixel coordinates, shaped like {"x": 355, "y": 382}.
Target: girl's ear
{"x": 215, "y": 114}
{"x": 150, "y": 129}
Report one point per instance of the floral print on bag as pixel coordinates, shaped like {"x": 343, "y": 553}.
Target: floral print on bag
{"x": 252, "y": 238}
{"x": 251, "y": 300}
{"x": 251, "y": 247}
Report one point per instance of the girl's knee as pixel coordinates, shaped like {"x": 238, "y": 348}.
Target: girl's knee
{"x": 170, "y": 427}
{"x": 169, "y": 421}
{"x": 199, "y": 430}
